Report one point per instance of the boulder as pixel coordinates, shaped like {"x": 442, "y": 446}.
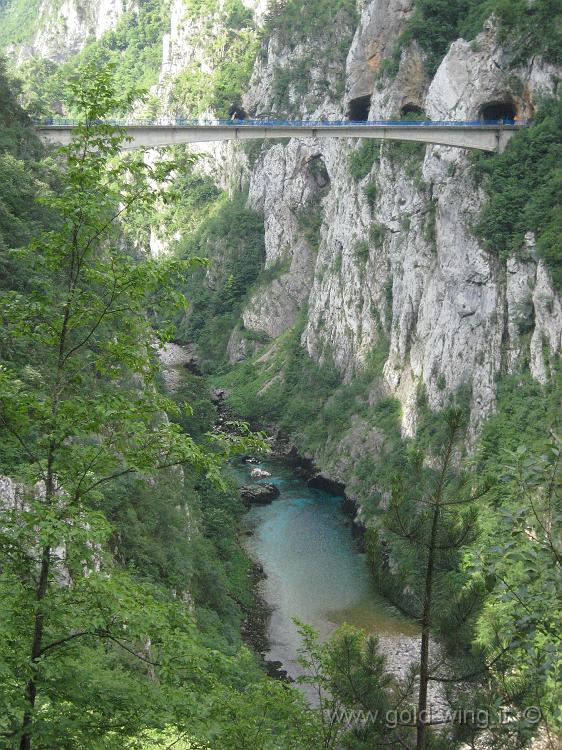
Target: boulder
{"x": 259, "y": 494}
{"x": 259, "y": 473}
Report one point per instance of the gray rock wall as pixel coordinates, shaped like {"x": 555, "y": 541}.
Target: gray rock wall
{"x": 449, "y": 307}
{"x": 67, "y": 26}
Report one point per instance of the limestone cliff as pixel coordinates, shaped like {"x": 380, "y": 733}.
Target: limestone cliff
{"x": 390, "y": 254}
{"x": 64, "y": 28}
{"x": 405, "y": 263}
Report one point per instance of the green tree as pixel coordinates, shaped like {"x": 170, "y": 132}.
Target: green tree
{"x": 524, "y": 192}
{"x": 521, "y": 619}
{"x": 79, "y": 411}
{"x": 434, "y": 513}
{"x": 350, "y": 685}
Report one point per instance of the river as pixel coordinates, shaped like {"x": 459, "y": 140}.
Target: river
{"x": 315, "y": 571}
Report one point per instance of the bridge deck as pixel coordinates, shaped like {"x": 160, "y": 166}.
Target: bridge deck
{"x": 486, "y": 136}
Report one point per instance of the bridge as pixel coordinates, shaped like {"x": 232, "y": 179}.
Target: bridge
{"x": 488, "y": 135}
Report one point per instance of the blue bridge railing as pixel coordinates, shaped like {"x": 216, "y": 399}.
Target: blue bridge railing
{"x": 62, "y": 122}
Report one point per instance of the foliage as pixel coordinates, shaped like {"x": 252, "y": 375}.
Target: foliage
{"x": 432, "y": 515}
{"x": 525, "y": 29}
{"x": 344, "y": 674}
{"x": 227, "y": 34}
{"x": 307, "y": 399}
{"x": 523, "y": 186}
{"x": 363, "y": 158}
{"x": 361, "y": 251}
{"x": 520, "y": 624}
{"x": 371, "y": 192}
{"x": 91, "y": 655}
{"x": 295, "y": 22}
{"x": 408, "y": 155}
{"x": 233, "y": 241}
{"x": 133, "y": 48}
{"x": 25, "y": 179}
{"x": 18, "y": 19}
{"x": 310, "y": 222}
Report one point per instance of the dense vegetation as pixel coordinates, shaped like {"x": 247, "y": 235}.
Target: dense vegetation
{"x": 225, "y": 30}
{"x": 232, "y": 236}
{"x": 525, "y": 28}
{"x": 141, "y": 646}
{"x": 132, "y": 635}
{"x": 19, "y": 19}
{"x": 134, "y": 48}
{"x": 524, "y": 184}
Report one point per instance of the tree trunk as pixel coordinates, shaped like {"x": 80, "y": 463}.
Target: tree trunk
{"x": 426, "y": 625}
{"x": 41, "y": 590}
{"x": 36, "y": 644}
{"x": 31, "y": 687}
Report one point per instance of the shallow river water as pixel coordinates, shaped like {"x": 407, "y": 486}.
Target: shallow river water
{"x": 314, "y": 569}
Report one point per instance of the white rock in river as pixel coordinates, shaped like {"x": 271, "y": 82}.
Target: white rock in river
{"x": 259, "y": 473}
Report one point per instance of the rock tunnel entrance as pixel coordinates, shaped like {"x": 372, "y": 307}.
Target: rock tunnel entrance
{"x": 358, "y": 110}
{"x": 498, "y": 111}
{"x": 237, "y": 112}
{"x": 412, "y": 112}
{"x": 318, "y": 172}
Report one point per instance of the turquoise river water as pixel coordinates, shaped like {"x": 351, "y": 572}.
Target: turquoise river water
{"x": 315, "y": 570}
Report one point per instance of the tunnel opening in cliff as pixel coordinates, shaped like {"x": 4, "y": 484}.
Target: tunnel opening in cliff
{"x": 358, "y": 110}
{"x": 498, "y": 111}
{"x": 316, "y": 169}
{"x": 412, "y": 112}
{"x": 237, "y": 112}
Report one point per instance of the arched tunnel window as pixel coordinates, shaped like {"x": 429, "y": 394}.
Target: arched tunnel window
{"x": 412, "y": 112}
{"x": 358, "y": 110}
{"x": 498, "y": 111}
{"x": 318, "y": 172}
{"x": 236, "y": 112}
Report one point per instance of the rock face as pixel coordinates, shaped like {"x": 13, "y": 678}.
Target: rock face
{"x": 380, "y": 25}
{"x": 66, "y": 27}
{"x": 312, "y": 71}
{"x": 404, "y": 265}
{"x": 173, "y": 360}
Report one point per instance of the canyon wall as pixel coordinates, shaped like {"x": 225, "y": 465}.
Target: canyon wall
{"x": 384, "y": 254}
{"x": 397, "y": 256}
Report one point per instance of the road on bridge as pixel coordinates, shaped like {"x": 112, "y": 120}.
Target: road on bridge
{"x": 490, "y": 135}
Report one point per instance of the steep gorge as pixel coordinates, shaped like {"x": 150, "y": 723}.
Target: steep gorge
{"x": 352, "y": 293}
{"x": 374, "y": 280}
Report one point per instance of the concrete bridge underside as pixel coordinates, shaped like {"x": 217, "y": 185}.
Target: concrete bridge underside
{"x": 480, "y": 137}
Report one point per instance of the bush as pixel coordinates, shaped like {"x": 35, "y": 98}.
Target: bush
{"x": 371, "y": 192}
{"x": 524, "y": 185}
{"x": 310, "y": 221}
{"x": 232, "y": 238}
{"x": 363, "y": 158}
{"x": 361, "y": 251}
